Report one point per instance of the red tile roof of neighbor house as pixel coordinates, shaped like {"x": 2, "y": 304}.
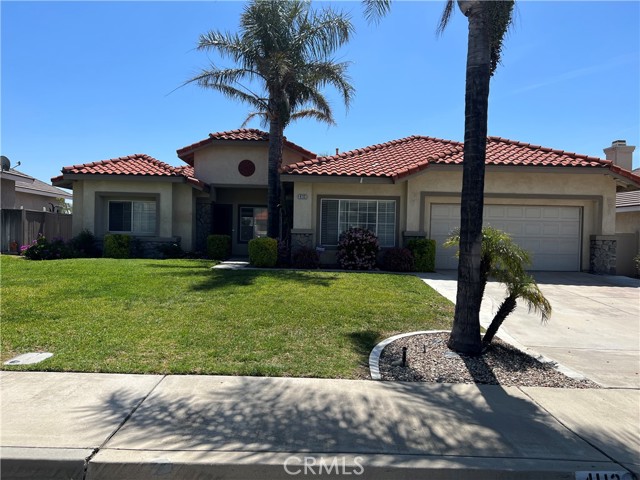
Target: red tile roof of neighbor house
{"x": 399, "y": 158}
{"x": 242, "y": 134}
{"x": 138, "y": 164}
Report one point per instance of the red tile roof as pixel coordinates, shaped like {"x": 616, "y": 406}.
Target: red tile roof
{"x": 138, "y": 164}
{"x": 399, "y": 158}
{"x": 242, "y": 134}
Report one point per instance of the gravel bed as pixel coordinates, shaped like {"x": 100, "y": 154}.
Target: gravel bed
{"x": 429, "y": 360}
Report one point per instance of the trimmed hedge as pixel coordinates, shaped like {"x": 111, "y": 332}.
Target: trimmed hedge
{"x": 424, "y": 254}
{"x": 218, "y": 247}
{"x": 117, "y": 245}
{"x": 263, "y": 252}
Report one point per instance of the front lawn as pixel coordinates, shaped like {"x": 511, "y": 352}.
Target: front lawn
{"x": 179, "y": 316}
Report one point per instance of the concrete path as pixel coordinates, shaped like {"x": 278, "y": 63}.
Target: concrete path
{"x": 104, "y": 426}
{"x": 594, "y": 329}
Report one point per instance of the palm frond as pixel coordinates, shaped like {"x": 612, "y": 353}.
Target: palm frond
{"x": 374, "y": 10}
{"x": 314, "y": 114}
{"x": 445, "y": 17}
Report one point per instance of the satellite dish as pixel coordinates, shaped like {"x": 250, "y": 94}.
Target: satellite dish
{"x": 6, "y": 163}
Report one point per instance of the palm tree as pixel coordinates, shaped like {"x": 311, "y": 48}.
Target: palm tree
{"x": 524, "y": 287}
{"x": 505, "y": 260}
{"x": 488, "y": 24}
{"x": 282, "y": 61}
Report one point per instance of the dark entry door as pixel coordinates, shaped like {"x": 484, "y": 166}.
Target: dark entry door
{"x": 222, "y": 222}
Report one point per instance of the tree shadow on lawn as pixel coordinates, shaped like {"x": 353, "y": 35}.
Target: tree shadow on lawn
{"x": 210, "y": 279}
{"x": 364, "y": 342}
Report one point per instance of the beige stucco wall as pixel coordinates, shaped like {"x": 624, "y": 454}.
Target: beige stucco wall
{"x": 90, "y": 203}
{"x": 628, "y": 222}
{"x": 8, "y": 193}
{"x": 218, "y": 164}
{"x": 29, "y": 201}
{"x": 183, "y": 215}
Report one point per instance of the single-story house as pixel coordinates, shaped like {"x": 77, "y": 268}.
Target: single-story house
{"x": 22, "y": 191}
{"x": 560, "y": 206}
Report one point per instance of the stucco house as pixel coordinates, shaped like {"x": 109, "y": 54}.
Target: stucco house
{"x": 559, "y": 205}
{"x": 22, "y": 191}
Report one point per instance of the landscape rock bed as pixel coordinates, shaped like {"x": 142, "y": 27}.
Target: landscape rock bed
{"x": 429, "y": 360}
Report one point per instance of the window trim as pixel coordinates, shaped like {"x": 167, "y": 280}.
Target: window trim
{"x": 320, "y": 198}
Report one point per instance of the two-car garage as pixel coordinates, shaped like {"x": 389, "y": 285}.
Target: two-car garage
{"x": 552, "y": 234}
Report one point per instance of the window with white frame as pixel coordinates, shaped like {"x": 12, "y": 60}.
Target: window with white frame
{"x": 337, "y": 216}
{"x": 132, "y": 216}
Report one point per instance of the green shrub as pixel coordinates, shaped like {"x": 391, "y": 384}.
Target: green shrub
{"x": 424, "y": 254}
{"x": 117, "y": 245}
{"x": 170, "y": 250}
{"x": 263, "y": 252}
{"x": 42, "y": 249}
{"x": 636, "y": 261}
{"x": 398, "y": 260}
{"x": 306, "y": 258}
{"x": 84, "y": 245}
{"x": 218, "y": 247}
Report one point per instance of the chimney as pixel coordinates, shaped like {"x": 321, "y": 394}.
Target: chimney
{"x": 620, "y": 154}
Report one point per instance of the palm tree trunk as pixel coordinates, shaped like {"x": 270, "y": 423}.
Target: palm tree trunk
{"x": 273, "y": 177}
{"x": 465, "y": 335}
{"x": 506, "y": 308}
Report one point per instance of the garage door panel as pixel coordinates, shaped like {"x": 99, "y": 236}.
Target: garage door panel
{"x": 552, "y": 235}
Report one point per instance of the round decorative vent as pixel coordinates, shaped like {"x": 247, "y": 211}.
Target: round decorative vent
{"x": 246, "y": 168}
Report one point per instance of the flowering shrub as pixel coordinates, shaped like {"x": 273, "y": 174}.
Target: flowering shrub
{"x": 42, "y": 249}
{"x": 357, "y": 249}
{"x": 398, "y": 260}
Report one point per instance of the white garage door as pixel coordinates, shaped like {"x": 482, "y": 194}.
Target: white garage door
{"x": 550, "y": 234}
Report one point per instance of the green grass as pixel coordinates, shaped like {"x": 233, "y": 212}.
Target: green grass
{"x": 179, "y": 316}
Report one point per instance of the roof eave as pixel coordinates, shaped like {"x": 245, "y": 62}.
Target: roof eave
{"x": 321, "y": 178}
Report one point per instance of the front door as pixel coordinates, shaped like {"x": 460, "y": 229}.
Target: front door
{"x": 222, "y": 222}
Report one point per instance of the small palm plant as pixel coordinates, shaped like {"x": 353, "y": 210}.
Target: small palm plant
{"x": 505, "y": 260}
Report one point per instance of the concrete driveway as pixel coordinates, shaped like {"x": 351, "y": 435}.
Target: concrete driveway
{"x": 594, "y": 330}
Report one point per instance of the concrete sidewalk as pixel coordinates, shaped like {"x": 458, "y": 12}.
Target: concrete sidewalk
{"x": 106, "y": 426}
{"x": 594, "y": 330}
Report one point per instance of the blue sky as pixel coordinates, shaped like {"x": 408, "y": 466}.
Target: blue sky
{"x": 87, "y": 81}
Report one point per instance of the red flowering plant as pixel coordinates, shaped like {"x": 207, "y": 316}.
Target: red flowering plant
{"x": 357, "y": 249}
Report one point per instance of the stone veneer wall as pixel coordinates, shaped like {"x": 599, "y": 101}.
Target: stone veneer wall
{"x": 203, "y": 225}
{"x": 300, "y": 239}
{"x": 602, "y": 258}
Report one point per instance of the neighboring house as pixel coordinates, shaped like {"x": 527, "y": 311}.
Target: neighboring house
{"x": 29, "y": 207}
{"x": 21, "y": 191}
{"x": 627, "y": 230}
{"x": 558, "y": 205}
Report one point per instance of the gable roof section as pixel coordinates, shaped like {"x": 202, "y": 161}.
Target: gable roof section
{"x": 243, "y": 134}
{"x": 399, "y": 158}
{"x": 138, "y": 164}
{"x": 37, "y": 187}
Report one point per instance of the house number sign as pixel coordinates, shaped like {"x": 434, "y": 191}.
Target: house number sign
{"x": 302, "y": 196}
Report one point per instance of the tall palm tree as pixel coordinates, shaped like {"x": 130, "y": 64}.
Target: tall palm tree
{"x": 282, "y": 61}
{"x": 488, "y": 24}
